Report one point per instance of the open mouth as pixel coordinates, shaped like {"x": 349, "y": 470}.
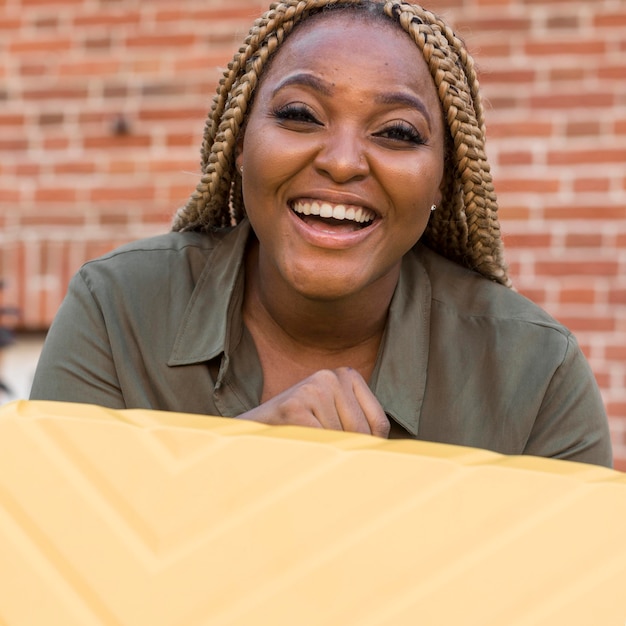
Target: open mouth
{"x": 336, "y": 216}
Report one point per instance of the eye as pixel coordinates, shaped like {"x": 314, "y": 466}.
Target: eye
{"x": 296, "y": 112}
{"x": 402, "y": 132}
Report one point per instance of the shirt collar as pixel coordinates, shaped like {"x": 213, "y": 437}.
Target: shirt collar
{"x": 204, "y": 331}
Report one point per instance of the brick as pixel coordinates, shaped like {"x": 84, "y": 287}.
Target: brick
{"x": 179, "y": 194}
{"x": 567, "y": 74}
{"x": 523, "y": 128}
{"x": 40, "y": 45}
{"x": 74, "y": 167}
{"x": 97, "y": 43}
{"x": 566, "y": 48}
{"x": 612, "y": 72}
{"x": 9, "y": 24}
{"x": 174, "y": 140}
{"x": 616, "y": 353}
{"x": 578, "y": 100}
{"x": 597, "y": 212}
{"x": 122, "y": 166}
{"x": 206, "y": 66}
{"x": 93, "y": 67}
{"x": 573, "y": 267}
{"x": 50, "y": 119}
{"x": 509, "y": 211}
{"x": 171, "y": 165}
{"x": 28, "y": 169}
{"x": 527, "y": 240}
{"x": 588, "y": 185}
{"x": 617, "y": 296}
{"x": 56, "y": 93}
{"x": 123, "y": 142}
{"x": 55, "y": 194}
{"x": 610, "y": 20}
{"x": 10, "y": 195}
{"x": 114, "y": 218}
{"x": 583, "y": 129}
{"x": 577, "y": 296}
{"x": 587, "y": 157}
{"x": 13, "y": 145}
{"x": 52, "y": 219}
{"x": 491, "y": 3}
{"x": 510, "y": 77}
{"x": 103, "y": 19}
{"x": 56, "y": 143}
{"x": 125, "y": 194}
{"x": 33, "y": 69}
{"x": 588, "y": 324}
{"x": 248, "y": 13}
{"x": 175, "y": 113}
{"x": 563, "y": 22}
{"x": 50, "y": 3}
{"x": 527, "y": 185}
{"x": 161, "y": 41}
{"x": 584, "y": 240}
{"x": 46, "y": 22}
{"x": 515, "y": 158}
{"x": 504, "y": 23}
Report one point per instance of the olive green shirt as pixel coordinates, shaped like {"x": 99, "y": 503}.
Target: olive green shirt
{"x": 157, "y": 324}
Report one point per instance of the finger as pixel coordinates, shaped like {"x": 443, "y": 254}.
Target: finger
{"x": 321, "y": 391}
{"x": 374, "y": 414}
{"x": 358, "y": 408}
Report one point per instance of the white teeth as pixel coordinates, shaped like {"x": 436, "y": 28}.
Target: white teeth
{"x": 337, "y": 211}
{"x": 326, "y": 210}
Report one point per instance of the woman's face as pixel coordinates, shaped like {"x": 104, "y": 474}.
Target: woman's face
{"x": 342, "y": 156}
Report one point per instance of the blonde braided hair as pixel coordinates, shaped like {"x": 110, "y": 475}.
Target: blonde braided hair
{"x": 465, "y": 227}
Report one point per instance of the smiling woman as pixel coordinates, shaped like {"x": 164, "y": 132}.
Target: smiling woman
{"x": 339, "y": 264}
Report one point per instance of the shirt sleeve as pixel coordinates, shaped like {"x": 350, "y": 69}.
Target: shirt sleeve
{"x": 572, "y": 422}
{"x": 76, "y": 363}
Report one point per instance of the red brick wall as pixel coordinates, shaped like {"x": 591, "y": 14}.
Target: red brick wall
{"x": 71, "y": 187}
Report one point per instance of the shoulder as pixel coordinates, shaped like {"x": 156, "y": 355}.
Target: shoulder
{"x": 460, "y": 292}
{"x": 168, "y": 245}
{"x": 159, "y": 257}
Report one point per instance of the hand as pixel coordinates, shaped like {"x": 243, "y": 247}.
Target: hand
{"x": 335, "y": 399}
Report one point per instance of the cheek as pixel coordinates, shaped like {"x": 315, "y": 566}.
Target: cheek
{"x": 417, "y": 184}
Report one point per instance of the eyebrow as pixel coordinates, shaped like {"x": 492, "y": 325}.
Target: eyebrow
{"x": 404, "y": 99}
{"x": 307, "y": 80}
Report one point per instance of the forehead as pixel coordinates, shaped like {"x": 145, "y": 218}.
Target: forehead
{"x": 352, "y": 44}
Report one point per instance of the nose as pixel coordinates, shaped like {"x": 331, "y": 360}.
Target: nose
{"x": 342, "y": 156}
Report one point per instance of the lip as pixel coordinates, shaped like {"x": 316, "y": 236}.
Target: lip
{"x": 340, "y": 240}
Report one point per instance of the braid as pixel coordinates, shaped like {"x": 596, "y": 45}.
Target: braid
{"x": 465, "y": 227}
{"x": 217, "y": 200}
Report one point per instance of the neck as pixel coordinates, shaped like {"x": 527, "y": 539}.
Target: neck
{"x": 322, "y": 326}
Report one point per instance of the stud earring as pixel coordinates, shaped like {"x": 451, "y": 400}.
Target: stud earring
{"x": 241, "y": 170}
{"x": 433, "y": 207}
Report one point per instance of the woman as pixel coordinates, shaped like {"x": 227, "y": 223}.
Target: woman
{"x": 340, "y": 263}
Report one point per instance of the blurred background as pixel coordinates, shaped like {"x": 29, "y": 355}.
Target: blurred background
{"x": 102, "y": 106}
